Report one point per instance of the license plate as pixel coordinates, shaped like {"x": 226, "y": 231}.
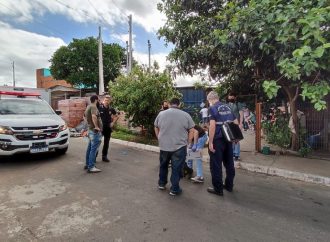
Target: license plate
{"x": 39, "y": 150}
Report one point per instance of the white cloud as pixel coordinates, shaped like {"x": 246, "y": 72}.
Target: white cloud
{"x": 109, "y": 12}
{"x": 29, "y": 51}
{"x": 124, "y": 37}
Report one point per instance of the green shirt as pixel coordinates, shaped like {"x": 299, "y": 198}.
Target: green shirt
{"x": 90, "y": 110}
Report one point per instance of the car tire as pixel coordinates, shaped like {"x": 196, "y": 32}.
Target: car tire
{"x": 61, "y": 151}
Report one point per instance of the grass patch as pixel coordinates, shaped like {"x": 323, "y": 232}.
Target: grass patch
{"x": 123, "y": 133}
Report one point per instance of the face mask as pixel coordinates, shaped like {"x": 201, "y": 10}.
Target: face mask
{"x": 231, "y": 100}
{"x": 164, "y": 108}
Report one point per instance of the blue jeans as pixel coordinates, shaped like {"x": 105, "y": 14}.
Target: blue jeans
{"x": 223, "y": 154}
{"x": 93, "y": 145}
{"x": 236, "y": 149}
{"x": 199, "y": 166}
{"x": 177, "y": 159}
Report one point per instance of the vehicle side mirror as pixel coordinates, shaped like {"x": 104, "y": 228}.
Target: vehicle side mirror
{"x": 58, "y": 112}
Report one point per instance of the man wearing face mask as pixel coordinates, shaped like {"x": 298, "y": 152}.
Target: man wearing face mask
{"x": 220, "y": 150}
{"x": 164, "y": 105}
{"x": 238, "y": 112}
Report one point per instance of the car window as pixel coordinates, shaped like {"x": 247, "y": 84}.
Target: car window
{"x": 24, "y": 106}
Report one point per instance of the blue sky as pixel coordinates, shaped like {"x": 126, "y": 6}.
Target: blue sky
{"x": 30, "y": 31}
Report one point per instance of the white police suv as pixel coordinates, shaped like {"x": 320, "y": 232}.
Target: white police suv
{"x": 28, "y": 124}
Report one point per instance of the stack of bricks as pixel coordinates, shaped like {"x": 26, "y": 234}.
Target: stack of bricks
{"x": 72, "y": 111}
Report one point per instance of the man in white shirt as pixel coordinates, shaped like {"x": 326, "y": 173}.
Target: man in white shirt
{"x": 205, "y": 115}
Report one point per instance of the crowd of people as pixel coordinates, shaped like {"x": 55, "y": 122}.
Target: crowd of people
{"x": 181, "y": 141}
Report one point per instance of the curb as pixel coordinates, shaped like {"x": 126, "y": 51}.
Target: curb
{"x": 271, "y": 171}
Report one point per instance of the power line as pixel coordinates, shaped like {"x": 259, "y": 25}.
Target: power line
{"x": 38, "y": 21}
{"x": 90, "y": 3}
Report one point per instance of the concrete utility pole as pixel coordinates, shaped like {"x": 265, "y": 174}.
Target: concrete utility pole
{"x": 127, "y": 58}
{"x": 14, "y": 82}
{"x": 130, "y": 44}
{"x": 149, "y": 48}
{"x": 101, "y": 77}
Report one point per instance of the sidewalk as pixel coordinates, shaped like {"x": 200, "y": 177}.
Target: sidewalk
{"x": 288, "y": 166}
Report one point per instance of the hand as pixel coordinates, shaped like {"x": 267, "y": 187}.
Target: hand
{"x": 190, "y": 146}
{"x": 194, "y": 147}
{"x": 97, "y": 129}
{"x": 211, "y": 147}
{"x": 241, "y": 126}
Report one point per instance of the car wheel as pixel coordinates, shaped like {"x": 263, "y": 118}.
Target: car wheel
{"x": 61, "y": 151}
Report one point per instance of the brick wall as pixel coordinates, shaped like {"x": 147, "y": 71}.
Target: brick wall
{"x": 48, "y": 81}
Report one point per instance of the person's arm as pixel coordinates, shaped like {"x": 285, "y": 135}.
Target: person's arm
{"x": 157, "y": 131}
{"x": 191, "y": 138}
{"x": 241, "y": 118}
{"x": 211, "y": 135}
{"x": 114, "y": 118}
{"x": 95, "y": 122}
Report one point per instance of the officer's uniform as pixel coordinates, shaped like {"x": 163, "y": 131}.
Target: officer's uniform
{"x": 220, "y": 113}
{"x": 105, "y": 114}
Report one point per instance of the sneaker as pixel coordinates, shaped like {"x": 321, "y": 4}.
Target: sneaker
{"x": 211, "y": 190}
{"x": 94, "y": 170}
{"x": 105, "y": 159}
{"x": 228, "y": 189}
{"x": 161, "y": 187}
{"x": 173, "y": 193}
{"x": 198, "y": 179}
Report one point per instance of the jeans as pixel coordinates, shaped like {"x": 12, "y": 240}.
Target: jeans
{"x": 236, "y": 149}
{"x": 223, "y": 154}
{"x": 199, "y": 166}
{"x": 93, "y": 145}
{"x": 177, "y": 159}
{"x": 106, "y": 134}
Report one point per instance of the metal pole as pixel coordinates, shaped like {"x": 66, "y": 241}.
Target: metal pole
{"x": 127, "y": 58}
{"x": 130, "y": 42}
{"x": 101, "y": 77}
{"x": 149, "y": 47}
{"x": 14, "y": 82}
{"x": 258, "y": 127}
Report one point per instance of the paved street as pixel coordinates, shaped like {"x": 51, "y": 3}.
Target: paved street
{"x": 53, "y": 199}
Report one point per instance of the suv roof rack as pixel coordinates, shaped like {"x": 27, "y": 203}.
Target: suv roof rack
{"x": 20, "y": 94}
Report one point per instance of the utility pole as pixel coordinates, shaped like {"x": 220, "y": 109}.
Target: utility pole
{"x": 130, "y": 44}
{"x": 101, "y": 77}
{"x": 127, "y": 58}
{"x": 14, "y": 82}
{"x": 149, "y": 48}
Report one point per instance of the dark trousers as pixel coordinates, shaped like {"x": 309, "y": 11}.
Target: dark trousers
{"x": 106, "y": 140}
{"x": 223, "y": 154}
{"x": 177, "y": 159}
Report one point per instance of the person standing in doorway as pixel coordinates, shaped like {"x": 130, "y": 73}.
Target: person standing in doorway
{"x": 238, "y": 112}
{"x": 220, "y": 150}
{"x": 109, "y": 117}
{"x": 94, "y": 133}
{"x": 174, "y": 128}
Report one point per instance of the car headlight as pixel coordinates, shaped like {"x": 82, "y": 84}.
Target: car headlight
{"x": 6, "y": 130}
{"x": 63, "y": 127}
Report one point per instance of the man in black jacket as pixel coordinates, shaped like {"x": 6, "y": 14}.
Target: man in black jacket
{"x": 109, "y": 117}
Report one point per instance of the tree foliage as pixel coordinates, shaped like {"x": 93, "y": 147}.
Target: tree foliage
{"x": 269, "y": 43}
{"x": 140, "y": 95}
{"x": 77, "y": 63}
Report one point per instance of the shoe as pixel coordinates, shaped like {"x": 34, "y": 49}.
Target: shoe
{"x": 94, "y": 170}
{"x": 237, "y": 158}
{"x": 197, "y": 179}
{"x": 228, "y": 189}
{"x": 173, "y": 193}
{"x": 211, "y": 190}
{"x": 105, "y": 159}
{"x": 161, "y": 187}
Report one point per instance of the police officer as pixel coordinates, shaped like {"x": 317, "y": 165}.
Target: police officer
{"x": 109, "y": 117}
{"x": 220, "y": 150}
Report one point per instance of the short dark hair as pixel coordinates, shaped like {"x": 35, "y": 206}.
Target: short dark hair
{"x": 94, "y": 98}
{"x": 232, "y": 94}
{"x": 175, "y": 101}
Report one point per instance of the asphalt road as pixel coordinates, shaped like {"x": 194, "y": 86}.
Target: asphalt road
{"x": 49, "y": 198}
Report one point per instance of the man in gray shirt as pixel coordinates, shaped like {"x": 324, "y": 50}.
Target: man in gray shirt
{"x": 174, "y": 129}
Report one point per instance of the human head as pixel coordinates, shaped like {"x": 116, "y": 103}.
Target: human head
{"x": 212, "y": 97}
{"x": 232, "y": 97}
{"x": 165, "y": 105}
{"x": 107, "y": 100}
{"x": 174, "y": 102}
{"x": 94, "y": 99}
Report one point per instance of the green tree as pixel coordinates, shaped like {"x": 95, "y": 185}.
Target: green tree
{"x": 269, "y": 43}
{"x": 140, "y": 95}
{"x": 77, "y": 63}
